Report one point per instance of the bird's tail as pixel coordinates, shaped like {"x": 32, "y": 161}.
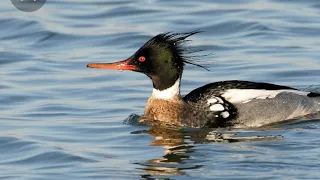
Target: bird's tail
{"x": 316, "y": 99}
{"x": 317, "y": 102}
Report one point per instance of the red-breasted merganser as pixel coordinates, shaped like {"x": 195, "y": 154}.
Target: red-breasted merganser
{"x": 220, "y": 104}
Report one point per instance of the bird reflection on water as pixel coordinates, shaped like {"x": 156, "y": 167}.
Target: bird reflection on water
{"x": 179, "y": 145}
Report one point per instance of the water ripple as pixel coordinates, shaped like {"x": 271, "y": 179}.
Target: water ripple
{"x": 60, "y": 120}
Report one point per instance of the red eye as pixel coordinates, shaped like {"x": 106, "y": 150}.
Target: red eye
{"x": 142, "y": 59}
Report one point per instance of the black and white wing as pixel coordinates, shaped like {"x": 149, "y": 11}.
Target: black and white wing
{"x": 228, "y": 100}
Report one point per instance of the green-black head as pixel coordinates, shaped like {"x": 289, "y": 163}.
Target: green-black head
{"x": 162, "y": 59}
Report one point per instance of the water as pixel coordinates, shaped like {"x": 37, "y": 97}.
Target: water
{"x": 60, "y": 120}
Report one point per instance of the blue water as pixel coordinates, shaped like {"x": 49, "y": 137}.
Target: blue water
{"x": 60, "y": 120}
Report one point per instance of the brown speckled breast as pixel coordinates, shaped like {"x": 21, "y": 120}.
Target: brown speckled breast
{"x": 167, "y": 111}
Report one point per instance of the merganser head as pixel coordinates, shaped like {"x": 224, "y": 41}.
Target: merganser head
{"x": 162, "y": 59}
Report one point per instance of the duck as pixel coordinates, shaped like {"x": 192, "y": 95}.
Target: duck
{"x": 223, "y": 104}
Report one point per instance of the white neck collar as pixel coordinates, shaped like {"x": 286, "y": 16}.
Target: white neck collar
{"x": 168, "y": 93}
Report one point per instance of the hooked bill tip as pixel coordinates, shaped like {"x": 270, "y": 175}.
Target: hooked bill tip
{"x": 90, "y": 66}
{"x": 93, "y": 65}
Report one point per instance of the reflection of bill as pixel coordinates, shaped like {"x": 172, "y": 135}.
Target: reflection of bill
{"x": 28, "y": 5}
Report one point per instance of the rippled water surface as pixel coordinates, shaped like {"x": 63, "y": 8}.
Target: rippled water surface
{"x": 60, "y": 120}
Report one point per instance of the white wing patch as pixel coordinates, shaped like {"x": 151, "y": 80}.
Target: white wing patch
{"x": 246, "y": 95}
{"x": 216, "y": 107}
{"x": 216, "y": 104}
{"x": 212, "y": 101}
{"x": 225, "y": 114}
